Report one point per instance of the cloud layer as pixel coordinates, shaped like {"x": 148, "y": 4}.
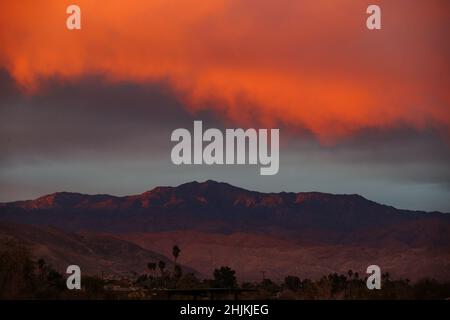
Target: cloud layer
{"x": 299, "y": 64}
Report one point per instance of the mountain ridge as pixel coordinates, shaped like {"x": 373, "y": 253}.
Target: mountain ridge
{"x": 54, "y": 199}
{"x": 212, "y": 206}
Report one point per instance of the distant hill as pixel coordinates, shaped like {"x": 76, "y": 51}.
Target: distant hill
{"x": 93, "y": 253}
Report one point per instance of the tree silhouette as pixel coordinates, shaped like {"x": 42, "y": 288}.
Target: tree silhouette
{"x": 152, "y": 267}
{"x": 175, "y": 252}
{"x": 225, "y": 278}
{"x": 41, "y": 263}
{"x": 42, "y": 268}
{"x": 350, "y": 273}
{"x": 292, "y": 283}
{"x": 177, "y": 273}
{"x": 161, "y": 266}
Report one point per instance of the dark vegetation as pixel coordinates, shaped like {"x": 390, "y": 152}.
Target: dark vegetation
{"x": 22, "y": 277}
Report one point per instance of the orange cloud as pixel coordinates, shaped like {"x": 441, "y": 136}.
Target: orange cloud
{"x": 309, "y": 64}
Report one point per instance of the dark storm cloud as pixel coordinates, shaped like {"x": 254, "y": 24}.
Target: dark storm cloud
{"x": 88, "y": 115}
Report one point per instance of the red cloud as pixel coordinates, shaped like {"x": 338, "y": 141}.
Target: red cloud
{"x": 308, "y": 64}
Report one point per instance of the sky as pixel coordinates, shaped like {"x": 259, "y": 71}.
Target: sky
{"x": 359, "y": 111}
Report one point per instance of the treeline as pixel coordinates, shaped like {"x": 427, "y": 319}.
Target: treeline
{"x": 22, "y": 277}
{"x": 339, "y": 286}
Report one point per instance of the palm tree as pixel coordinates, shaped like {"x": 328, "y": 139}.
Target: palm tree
{"x": 175, "y": 252}
{"x": 161, "y": 266}
{"x": 177, "y": 272}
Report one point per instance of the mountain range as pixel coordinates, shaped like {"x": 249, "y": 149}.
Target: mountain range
{"x": 307, "y": 234}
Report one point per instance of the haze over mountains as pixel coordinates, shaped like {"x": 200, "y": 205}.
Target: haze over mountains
{"x": 306, "y": 234}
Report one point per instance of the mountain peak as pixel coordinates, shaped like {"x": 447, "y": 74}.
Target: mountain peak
{"x": 206, "y": 183}
{"x": 196, "y": 186}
